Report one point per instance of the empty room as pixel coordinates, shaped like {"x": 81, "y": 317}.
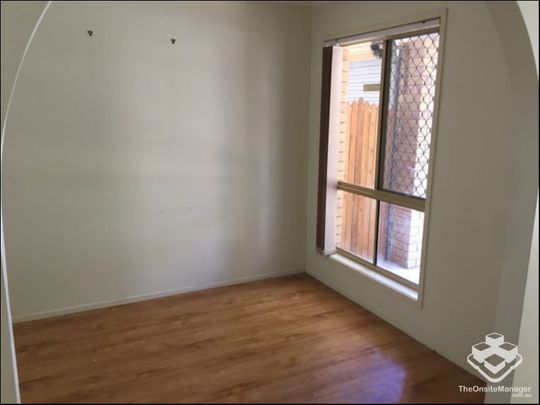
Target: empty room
{"x": 269, "y": 202}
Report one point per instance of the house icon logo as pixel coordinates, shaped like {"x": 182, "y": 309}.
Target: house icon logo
{"x": 494, "y": 358}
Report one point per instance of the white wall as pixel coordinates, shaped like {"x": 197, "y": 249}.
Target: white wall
{"x": 475, "y": 166}
{"x": 527, "y": 374}
{"x": 18, "y": 23}
{"x": 413, "y": 321}
{"x": 529, "y": 12}
{"x": 517, "y": 254}
{"x": 134, "y": 166}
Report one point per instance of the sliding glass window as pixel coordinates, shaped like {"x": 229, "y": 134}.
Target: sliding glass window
{"x": 379, "y": 95}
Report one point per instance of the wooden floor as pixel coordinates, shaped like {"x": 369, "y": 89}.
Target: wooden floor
{"x": 289, "y": 339}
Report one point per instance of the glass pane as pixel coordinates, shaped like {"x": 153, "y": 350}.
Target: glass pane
{"x": 411, "y": 95}
{"x": 356, "y": 221}
{"x": 360, "y": 93}
{"x": 400, "y": 240}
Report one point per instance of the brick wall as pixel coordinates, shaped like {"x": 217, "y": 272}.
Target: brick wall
{"x": 407, "y": 150}
{"x": 400, "y": 235}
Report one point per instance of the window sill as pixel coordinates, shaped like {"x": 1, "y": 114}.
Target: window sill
{"x": 412, "y": 275}
{"x": 388, "y": 282}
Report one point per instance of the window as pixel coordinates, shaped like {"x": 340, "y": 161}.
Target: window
{"x": 377, "y": 119}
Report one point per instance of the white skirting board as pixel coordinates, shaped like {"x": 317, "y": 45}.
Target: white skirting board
{"x": 143, "y": 297}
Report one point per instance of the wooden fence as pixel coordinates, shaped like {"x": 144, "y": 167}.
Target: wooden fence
{"x": 356, "y": 215}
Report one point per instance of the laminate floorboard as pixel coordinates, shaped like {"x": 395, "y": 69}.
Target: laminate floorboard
{"x": 283, "y": 340}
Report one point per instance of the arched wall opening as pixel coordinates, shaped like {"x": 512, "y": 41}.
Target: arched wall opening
{"x": 519, "y": 218}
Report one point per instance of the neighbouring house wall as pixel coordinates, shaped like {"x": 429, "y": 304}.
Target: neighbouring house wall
{"x": 472, "y": 195}
{"x": 135, "y": 167}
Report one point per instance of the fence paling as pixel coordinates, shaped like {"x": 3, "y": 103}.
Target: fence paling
{"x": 357, "y": 213}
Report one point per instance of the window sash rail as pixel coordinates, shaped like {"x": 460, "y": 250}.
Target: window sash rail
{"x": 374, "y": 267}
{"x": 411, "y": 202}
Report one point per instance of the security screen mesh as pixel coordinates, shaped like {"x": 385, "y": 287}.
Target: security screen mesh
{"x": 409, "y": 119}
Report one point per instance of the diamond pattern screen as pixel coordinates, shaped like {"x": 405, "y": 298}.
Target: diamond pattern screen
{"x": 409, "y": 120}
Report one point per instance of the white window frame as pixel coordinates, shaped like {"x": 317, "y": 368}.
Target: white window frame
{"x": 405, "y": 288}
